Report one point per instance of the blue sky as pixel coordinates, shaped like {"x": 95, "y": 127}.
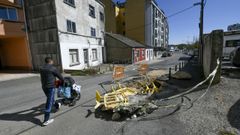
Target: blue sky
{"x": 184, "y": 27}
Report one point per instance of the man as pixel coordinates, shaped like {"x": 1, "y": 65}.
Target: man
{"x": 48, "y": 76}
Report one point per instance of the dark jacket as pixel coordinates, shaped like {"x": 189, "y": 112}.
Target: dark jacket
{"x": 48, "y": 76}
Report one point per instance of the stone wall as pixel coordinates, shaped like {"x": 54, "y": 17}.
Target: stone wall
{"x": 43, "y": 32}
{"x": 212, "y": 50}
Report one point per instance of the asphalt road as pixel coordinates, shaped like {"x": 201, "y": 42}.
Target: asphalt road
{"x": 22, "y": 102}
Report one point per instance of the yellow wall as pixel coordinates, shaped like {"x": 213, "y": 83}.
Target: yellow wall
{"x": 14, "y": 53}
{"x": 135, "y": 20}
{"x": 110, "y": 20}
{"x": 14, "y": 50}
{"x": 120, "y": 18}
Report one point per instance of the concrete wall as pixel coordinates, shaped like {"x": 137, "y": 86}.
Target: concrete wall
{"x": 43, "y": 32}
{"x": 82, "y": 38}
{"x": 116, "y": 50}
{"x": 212, "y": 50}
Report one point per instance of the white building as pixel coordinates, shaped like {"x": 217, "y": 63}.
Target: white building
{"x": 157, "y": 30}
{"x": 81, "y": 32}
{"x": 230, "y": 41}
{"x": 69, "y": 31}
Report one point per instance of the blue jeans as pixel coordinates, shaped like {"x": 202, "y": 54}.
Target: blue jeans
{"x": 50, "y": 93}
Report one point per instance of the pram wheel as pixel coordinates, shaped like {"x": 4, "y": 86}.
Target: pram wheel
{"x": 73, "y": 103}
{"x": 76, "y": 95}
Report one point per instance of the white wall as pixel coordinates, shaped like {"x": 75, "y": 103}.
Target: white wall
{"x": 150, "y": 10}
{"x": 149, "y": 54}
{"x": 228, "y": 50}
{"x": 82, "y": 39}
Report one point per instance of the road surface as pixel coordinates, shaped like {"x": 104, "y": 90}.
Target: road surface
{"x": 22, "y": 102}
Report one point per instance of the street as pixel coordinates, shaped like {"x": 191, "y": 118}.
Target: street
{"x": 22, "y": 102}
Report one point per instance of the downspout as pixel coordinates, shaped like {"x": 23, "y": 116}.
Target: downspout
{"x": 27, "y": 38}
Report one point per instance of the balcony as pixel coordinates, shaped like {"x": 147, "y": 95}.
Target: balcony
{"x": 11, "y": 29}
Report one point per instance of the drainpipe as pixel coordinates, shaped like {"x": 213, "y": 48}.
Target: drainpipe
{"x": 27, "y": 38}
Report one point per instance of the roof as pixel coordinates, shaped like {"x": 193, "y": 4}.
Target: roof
{"x": 129, "y": 42}
{"x": 228, "y": 33}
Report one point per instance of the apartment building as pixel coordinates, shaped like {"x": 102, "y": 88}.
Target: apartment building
{"x": 14, "y": 49}
{"x": 120, "y": 18}
{"x": 69, "y": 31}
{"x": 147, "y": 24}
{"x": 110, "y": 16}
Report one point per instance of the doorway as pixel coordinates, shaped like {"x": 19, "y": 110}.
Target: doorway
{"x": 86, "y": 59}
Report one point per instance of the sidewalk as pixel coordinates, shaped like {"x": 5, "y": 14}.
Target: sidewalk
{"x": 14, "y": 76}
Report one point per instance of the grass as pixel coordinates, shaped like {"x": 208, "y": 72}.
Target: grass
{"x": 226, "y": 133}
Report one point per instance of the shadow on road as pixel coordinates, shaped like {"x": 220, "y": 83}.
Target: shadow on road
{"x": 105, "y": 115}
{"x": 25, "y": 115}
{"x": 234, "y": 115}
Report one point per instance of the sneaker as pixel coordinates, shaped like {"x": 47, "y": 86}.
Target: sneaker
{"x": 48, "y": 122}
{"x": 59, "y": 105}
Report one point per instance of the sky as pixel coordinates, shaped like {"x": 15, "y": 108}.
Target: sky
{"x": 184, "y": 27}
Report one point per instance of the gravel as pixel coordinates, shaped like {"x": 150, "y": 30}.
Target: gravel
{"x": 210, "y": 115}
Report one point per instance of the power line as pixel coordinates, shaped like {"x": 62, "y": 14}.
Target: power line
{"x": 181, "y": 11}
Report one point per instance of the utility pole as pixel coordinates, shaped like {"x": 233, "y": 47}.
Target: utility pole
{"x": 201, "y": 40}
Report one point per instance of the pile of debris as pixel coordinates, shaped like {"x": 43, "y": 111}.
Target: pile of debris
{"x": 130, "y": 98}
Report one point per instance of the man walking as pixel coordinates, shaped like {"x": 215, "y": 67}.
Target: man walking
{"x": 48, "y": 76}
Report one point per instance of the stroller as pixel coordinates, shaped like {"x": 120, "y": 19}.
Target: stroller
{"x": 69, "y": 91}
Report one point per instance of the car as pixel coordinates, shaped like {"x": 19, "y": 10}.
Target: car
{"x": 165, "y": 54}
{"x": 235, "y": 56}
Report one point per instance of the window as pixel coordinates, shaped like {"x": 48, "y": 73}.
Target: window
{"x": 8, "y": 13}
{"x": 74, "y": 57}
{"x": 232, "y": 43}
{"x": 94, "y": 55}
{"x": 71, "y": 26}
{"x": 124, "y": 33}
{"x": 101, "y": 16}
{"x": 123, "y": 23}
{"x": 91, "y": 11}
{"x": 20, "y": 2}
{"x": 70, "y": 2}
{"x": 93, "y": 32}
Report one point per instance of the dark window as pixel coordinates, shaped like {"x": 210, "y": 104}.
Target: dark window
{"x": 91, "y": 11}
{"x": 71, "y": 26}
{"x": 20, "y": 2}
{"x": 8, "y": 13}
{"x": 101, "y": 16}
{"x": 12, "y": 14}
{"x": 124, "y": 33}
{"x": 74, "y": 57}
{"x": 93, "y": 32}
{"x": 232, "y": 43}
{"x": 70, "y": 2}
{"x": 124, "y": 23}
